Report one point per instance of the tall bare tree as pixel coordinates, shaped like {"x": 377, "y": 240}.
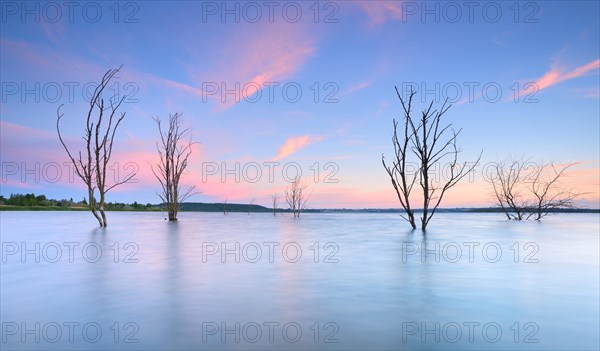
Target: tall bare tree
{"x": 275, "y": 201}
{"x": 174, "y": 152}
{"x": 433, "y": 145}
{"x": 524, "y": 194}
{"x": 297, "y": 197}
{"x": 91, "y": 164}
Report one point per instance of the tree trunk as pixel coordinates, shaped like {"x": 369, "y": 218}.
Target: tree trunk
{"x": 95, "y": 213}
{"x": 102, "y": 214}
{"x": 99, "y": 148}
{"x": 412, "y": 222}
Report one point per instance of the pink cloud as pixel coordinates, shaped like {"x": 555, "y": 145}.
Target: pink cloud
{"x": 131, "y": 154}
{"x": 176, "y": 85}
{"x": 557, "y": 75}
{"x": 47, "y": 162}
{"x": 357, "y": 87}
{"x": 251, "y": 57}
{"x": 213, "y": 187}
{"x": 255, "y": 56}
{"x": 9, "y": 129}
{"x": 48, "y": 59}
{"x": 39, "y": 146}
{"x": 380, "y": 11}
{"x": 588, "y": 92}
{"x": 292, "y": 145}
{"x": 55, "y": 32}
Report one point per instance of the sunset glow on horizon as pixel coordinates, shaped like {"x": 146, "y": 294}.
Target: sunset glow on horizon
{"x": 271, "y": 90}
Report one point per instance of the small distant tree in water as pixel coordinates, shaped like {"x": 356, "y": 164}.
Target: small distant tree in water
{"x": 174, "y": 153}
{"x": 251, "y": 205}
{"x": 275, "y": 199}
{"x": 91, "y": 165}
{"x": 225, "y": 209}
{"x": 297, "y": 197}
{"x": 530, "y": 190}
{"x": 433, "y": 145}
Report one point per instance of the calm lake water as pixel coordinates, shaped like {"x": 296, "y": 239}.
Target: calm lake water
{"x": 323, "y": 282}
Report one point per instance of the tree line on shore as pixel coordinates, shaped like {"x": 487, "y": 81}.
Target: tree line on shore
{"x": 32, "y": 200}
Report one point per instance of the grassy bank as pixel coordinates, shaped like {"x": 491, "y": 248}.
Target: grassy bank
{"x": 73, "y": 208}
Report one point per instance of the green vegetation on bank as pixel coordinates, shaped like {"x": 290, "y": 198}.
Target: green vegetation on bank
{"x": 31, "y": 202}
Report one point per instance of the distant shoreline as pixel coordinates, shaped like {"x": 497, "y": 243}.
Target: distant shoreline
{"x": 246, "y": 208}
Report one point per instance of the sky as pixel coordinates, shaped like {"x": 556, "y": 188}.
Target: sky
{"x": 276, "y": 89}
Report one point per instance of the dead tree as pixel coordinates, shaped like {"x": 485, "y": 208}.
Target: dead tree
{"x": 225, "y": 210}
{"x": 91, "y": 165}
{"x": 174, "y": 152}
{"x": 526, "y": 195}
{"x": 548, "y": 193}
{"x": 297, "y": 197}
{"x": 275, "y": 199}
{"x": 507, "y": 180}
{"x": 399, "y": 172}
{"x": 433, "y": 146}
{"x": 251, "y": 205}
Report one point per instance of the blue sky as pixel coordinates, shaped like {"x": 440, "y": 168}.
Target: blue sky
{"x": 543, "y": 59}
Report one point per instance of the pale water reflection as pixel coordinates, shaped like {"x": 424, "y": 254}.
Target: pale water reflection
{"x": 323, "y": 282}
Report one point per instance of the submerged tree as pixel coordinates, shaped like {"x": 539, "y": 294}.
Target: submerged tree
{"x": 433, "y": 146}
{"x": 297, "y": 197}
{"x": 275, "y": 201}
{"x": 174, "y": 152}
{"x": 507, "y": 182}
{"x": 92, "y": 164}
{"x": 250, "y": 206}
{"x": 225, "y": 209}
{"x": 524, "y": 194}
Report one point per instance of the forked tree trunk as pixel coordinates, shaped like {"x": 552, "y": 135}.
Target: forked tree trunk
{"x": 174, "y": 153}
{"x": 428, "y": 142}
{"x": 99, "y": 145}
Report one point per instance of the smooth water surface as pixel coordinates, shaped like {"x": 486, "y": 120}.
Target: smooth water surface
{"x": 321, "y": 282}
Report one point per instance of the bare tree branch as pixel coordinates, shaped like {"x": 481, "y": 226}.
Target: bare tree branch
{"x": 275, "y": 201}
{"x": 296, "y": 197}
{"x": 431, "y": 143}
{"x": 173, "y": 152}
{"x": 534, "y": 196}
{"x": 92, "y": 167}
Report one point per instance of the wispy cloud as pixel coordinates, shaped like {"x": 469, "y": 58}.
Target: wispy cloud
{"x": 379, "y": 12}
{"x": 382, "y": 107}
{"x": 292, "y": 145}
{"x": 55, "y": 32}
{"x": 356, "y": 87}
{"x": 557, "y": 75}
{"x": 47, "y": 59}
{"x": 42, "y": 154}
{"x": 588, "y": 92}
{"x": 252, "y": 57}
{"x": 182, "y": 87}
